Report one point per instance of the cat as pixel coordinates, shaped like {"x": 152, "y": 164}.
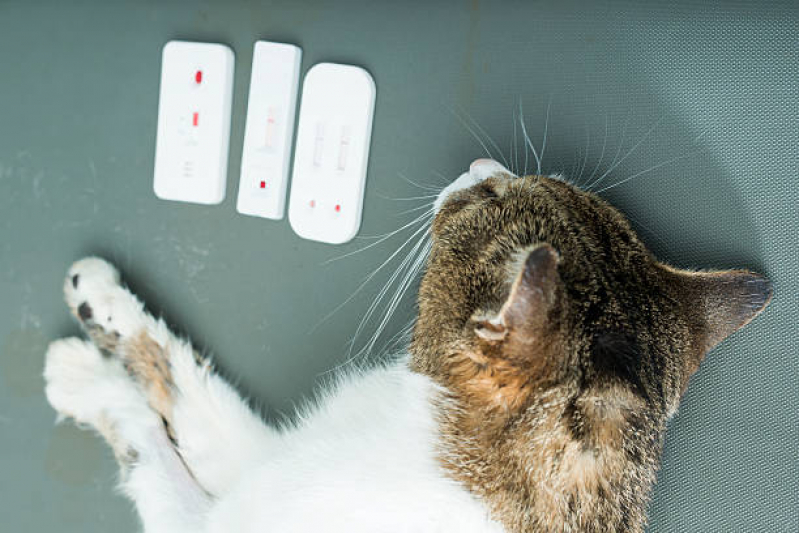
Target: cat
{"x": 549, "y": 351}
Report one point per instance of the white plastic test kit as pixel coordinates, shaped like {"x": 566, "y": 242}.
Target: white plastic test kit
{"x": 191, "y": 151}
{"x": 331, "y": 153}
{"x": 268, "y": 132}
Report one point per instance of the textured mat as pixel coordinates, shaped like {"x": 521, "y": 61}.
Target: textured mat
{"x": 693, "y": 106}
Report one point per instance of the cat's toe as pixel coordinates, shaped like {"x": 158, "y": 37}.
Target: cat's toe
{"x": 85, "y": 278}
{"x": 94, "y": 390}
{"x": 92, "y": 270}
{"x": 104, "y": 308}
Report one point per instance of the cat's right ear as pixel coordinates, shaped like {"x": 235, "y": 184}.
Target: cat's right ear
{"x": 522, "y": 317}
{"x": 516, "y": 347}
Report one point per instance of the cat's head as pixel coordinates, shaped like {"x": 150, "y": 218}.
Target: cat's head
{"x": 533, "y": 283}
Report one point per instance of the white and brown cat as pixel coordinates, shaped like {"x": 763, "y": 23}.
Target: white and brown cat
{"x": 550, "y": 349}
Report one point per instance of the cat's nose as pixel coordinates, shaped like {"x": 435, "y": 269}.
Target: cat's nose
{"x": 483, "y": 168}
{"x": 479, "y": 170}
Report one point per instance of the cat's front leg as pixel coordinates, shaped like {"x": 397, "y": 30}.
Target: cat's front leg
{"x": 95, "y": 390}
{"x": 216, "y": 433}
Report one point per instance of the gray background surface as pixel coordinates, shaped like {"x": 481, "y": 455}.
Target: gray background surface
{"x": 716, "y": 83}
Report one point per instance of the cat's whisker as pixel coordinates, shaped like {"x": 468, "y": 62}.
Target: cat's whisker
{"x": 515, "y": 146}
{"x": 474, "y": 134}
{"x": 410, "y": 275}
{"x": 428, "y": 205}
{"x": 371, "y": 276}
{"x": 413, "y": 266}
{"x": 527, "y": 139}
{"x": 546, "y": 128}
{"x": 381, "y": 238}
{"x": 403, "y": 336}
{"x": 484, "y": 133}
{"x": 427, "y": 188}
{"x": 601, "y": 155}
{"x": 585, "y": 155}
{"x": 491, "y": 140}
{"x": 407, "y": 198}
{"x": 376, "y": 302}
{"x": 632, "y": 150}
{"x": 619, "y": 146}
{"x": 575, "y": 158}
{"x": 650, "y": 169}
{"x": 526, "y": 158}
{"x": 405, "y": 284}
{"x": 445, "y": 179}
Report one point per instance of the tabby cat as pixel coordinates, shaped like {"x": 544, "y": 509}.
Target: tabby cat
{"x": 549, "y": 351}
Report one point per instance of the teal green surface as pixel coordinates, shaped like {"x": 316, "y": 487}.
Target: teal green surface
{"x": 714, "y": 84}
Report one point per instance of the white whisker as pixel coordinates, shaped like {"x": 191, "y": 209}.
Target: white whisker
{"x": 380, "y": 238}
{"x": 618, "y": 151}
{"x": 445, "y": 179}
{"x": 370, "y": 276}
{"x": 546, "y": 127}
{"x": 602, "y": 155}
{"x": 428, "y": 205}
{"x": 391, "y": 307}
{"x": 487, "y": 136}
{"x": 423, "y": 187}
{"x": 650, "y": 169}
{"x": 407, "y": 198}
{"x": 620, "y": 161}
{"x": 376, "y": 302}
{"x": 527, "y": 138}
{"x": 585, "y": 156}
{"x": 473, "y": 133}
{"x": 515, "y": 151}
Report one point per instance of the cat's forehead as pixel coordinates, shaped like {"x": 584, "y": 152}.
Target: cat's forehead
{"x": 548, "y": 202}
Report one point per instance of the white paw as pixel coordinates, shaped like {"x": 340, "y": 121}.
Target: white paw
{"x": 83, "y": 384}
{"x": 76, "y": 374}
{"x": 93, "y": 293}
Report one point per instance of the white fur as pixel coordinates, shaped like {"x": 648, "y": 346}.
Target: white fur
{"x": 96, "y": 391}
{"x": 362, "y": 459}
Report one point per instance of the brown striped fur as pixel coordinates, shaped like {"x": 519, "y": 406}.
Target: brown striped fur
{"x": 564, "y": 346}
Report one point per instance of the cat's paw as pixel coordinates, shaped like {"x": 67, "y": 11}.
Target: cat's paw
{"x": 105, "y": 308}
{"x": 76, "y": 377}
{"x": 96, "y": 391}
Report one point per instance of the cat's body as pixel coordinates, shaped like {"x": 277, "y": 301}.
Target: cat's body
{"x": 549, "y": 352}
{"x": 365, "y": 461}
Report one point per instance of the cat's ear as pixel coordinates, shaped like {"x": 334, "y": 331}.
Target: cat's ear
{"x": 532, "y": 294}
{"x": 720, "y": 303}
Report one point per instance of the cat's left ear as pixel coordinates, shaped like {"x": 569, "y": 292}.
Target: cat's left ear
{"x": 720, "y": 303}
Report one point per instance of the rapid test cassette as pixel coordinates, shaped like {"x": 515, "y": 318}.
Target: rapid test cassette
{"x": 191, "y": 152}
{"x": 332, "y": 152}
{"x": 269, "y": 128}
